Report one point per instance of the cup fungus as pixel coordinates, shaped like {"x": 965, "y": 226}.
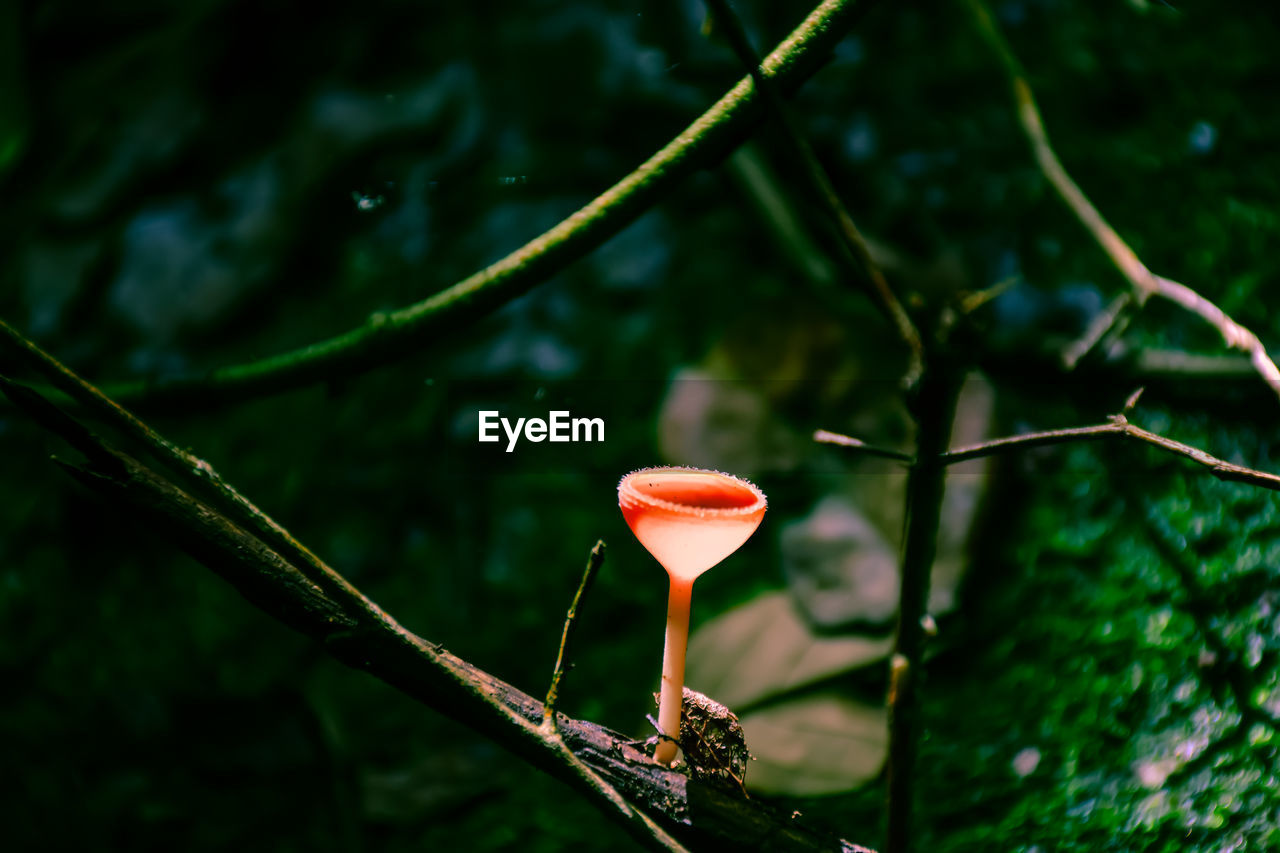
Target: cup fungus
{"x": 689, "y": 520}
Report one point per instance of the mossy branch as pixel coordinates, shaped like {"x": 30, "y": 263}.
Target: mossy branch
{"x": 660, "y": 808}
{"x": 391, "y": 335}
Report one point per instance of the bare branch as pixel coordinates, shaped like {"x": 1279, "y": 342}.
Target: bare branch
{"x": 594, "y": 561}
{"x": 855, "y": 252}
{"x": 1033, "y": 439}
{"x": 1235, "y": 335}
{"x": 823, "y": 436}
{"x": 652, "y": 803}
{"x": 1118, "y": 426}
{"x": 1144, "y": 283}
{"x": 1029, "y": 117}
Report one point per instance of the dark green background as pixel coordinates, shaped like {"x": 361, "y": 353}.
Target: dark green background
{"x": 180, "y": 186}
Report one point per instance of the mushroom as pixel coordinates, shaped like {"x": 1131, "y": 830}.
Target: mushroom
{"x": 689, "y": 520}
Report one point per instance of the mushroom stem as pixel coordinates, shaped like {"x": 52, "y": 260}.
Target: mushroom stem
{"x": 671, "y": 699}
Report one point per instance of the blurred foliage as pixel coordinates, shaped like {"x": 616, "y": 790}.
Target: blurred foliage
{"x": 1086, "y": 706}
{"x": 188, "y": 185}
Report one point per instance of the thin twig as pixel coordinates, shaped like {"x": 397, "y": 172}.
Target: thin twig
{"x": 1131, "y": 402}
{"x": 1176, "y": 365}
{"x": 594, "y": 560}
{"x": 779, "y": 213}
{"x": 1143, "y": 282}
{"x": 1029, "y": 117}
{"x": 1033, "y": 439}
{"x": 823, "y": 436}
{"x": 1118, "y": 427}
{"x": 971, "y": 302}
{"x": 1110, "y": 318}
{"x": 385, "y": 337}
{"x": 855, "y": 250}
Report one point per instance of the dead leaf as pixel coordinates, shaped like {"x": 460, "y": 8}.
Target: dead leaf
{"x": 764, "y": 649}
{"x": 821, "y": 744}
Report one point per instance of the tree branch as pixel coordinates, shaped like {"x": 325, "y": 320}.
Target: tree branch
{"x": 1233, "y": 334}
{"x": 934, "y": 412}
{"x": 385, "y": 337}
{"x": 662, "y": 809}
{"x": 855, "y": 252}
{"x": 1118, "y": 427}
{"x": 1143, "y": 282}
